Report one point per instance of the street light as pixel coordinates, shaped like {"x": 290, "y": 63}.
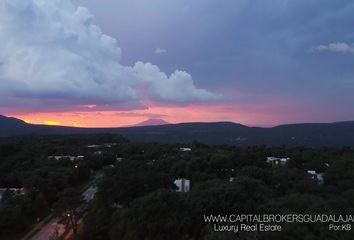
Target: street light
{"x": 68, "y": 214}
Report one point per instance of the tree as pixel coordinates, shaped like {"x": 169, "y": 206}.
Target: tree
{"x": 40, "y": 206}
{"x": 70, "y": 208}
{"x": 97, "y": 223}
{"x": 162, "y": 214}
{"x": 340, "y": 174}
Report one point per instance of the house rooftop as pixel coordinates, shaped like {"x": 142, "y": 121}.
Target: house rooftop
{"x": 22, "y": 191}
{"x": 270, "y": 159}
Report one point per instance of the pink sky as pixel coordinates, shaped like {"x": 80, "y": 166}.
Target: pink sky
{"x": 263, "y": 115}
{"x": 104, "y": 53}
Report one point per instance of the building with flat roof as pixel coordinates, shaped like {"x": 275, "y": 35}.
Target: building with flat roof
{"x": 277, "y": 161}
{"x": 183, "y": 185}
{"x": 21, "y": 191}
{"x": 185, "y": 149}
{"x": 72, "y": 158}
{"x": 315, "y": 175}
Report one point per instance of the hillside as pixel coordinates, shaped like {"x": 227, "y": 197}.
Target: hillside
{"x": 307, "y": 134}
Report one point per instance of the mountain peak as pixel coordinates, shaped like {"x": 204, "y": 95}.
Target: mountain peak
{"x": 151, "y": 122}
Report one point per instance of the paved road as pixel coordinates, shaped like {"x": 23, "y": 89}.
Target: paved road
{"x": 48, "y": 229}
{"x": 90, "y": 193}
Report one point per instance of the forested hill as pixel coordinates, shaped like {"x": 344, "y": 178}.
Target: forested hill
{"x": 307, "y": 134}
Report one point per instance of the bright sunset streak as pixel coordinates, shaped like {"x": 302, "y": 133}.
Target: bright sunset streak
{"x": 52, "y": 123}
{"x": 76, "y": 124}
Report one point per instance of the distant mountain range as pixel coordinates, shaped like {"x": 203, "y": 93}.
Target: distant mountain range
{"x": 307, "y": 134}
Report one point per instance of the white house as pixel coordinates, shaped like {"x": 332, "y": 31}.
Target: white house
{"x": 70, "y": 157}
{"x": 109, "y": 144}
{"x": 58, "y": 157}
{"x": 277, "y": 161}
{"x": 318, "y": 176}
{"x": 183, "y": 185}
{"x": 93, "y": 146}
{"x": 21, "y": 191}
{"x": 185, "y": 149}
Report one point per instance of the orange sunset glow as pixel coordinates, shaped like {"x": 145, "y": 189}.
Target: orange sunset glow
{"x": 247, "y": 114}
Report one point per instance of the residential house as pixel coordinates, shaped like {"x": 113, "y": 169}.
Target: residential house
{"x": 21, "y": 191}
{"x": 315, "y": 175}
{"x": 72, "y": 158}
{"x": 109, "y": 144}
{"x": 93, "y": 146}
{"x": 277, "y": 161}
{"x": 2, "y": 191}
{"x": 185, "y": 149}
{"x": 58, "y": 157}
{"x": 183, "y": 185}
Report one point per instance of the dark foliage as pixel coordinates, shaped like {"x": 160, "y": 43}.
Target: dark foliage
{"x": 24, "y": 163}
{"x": 136, "y": 198}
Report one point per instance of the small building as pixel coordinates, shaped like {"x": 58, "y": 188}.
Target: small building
{"x": 109, "y": 144}
{"x": 119, "y": 159}
{"x": 315, "y": 175}
{"x": 277, "y": 161}
{"x": 320, "y": 177}
{"x": 93, "y": 146}
{"x": 58, "y": 157}
{"x": 183, "y": 185}
{"x": 72, "y": 158}
{"x": 21, "y": 191}
{"x": 76, "y": 158}
{"x": 98, "y": 152}
{"x": 185, "y": 149}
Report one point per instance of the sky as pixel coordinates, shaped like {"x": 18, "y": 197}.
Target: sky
{"x": 107, "y": 63}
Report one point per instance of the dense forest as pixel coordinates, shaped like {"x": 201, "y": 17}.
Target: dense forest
{"x": 136, "y": 197}
{"x": 24, "y": 163}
